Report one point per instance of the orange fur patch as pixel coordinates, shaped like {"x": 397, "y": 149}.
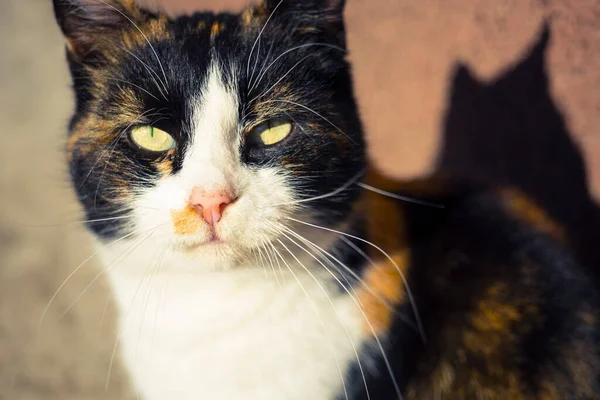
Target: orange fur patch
{"x": 247, "y": 18}
{"x": 153, "y": 30}
{"x": 385, "y": 286}
{"x": 186, "y": 221}
{"x": 216, "y": 28}
{"x": 165, "y": 166}
{"x": 526, "y": 210}
{"x": 588, "y": 318}
{"x": 579, "y": 357}
{"x": 385, "y": 291}
{"x": 91, "y": 133}
{"x": 495, "y": 318}
{"x": 549, "y": 391}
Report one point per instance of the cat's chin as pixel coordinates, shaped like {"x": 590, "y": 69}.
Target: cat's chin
{"x": 213, "y": 244}
{"x": 212, "y": 251}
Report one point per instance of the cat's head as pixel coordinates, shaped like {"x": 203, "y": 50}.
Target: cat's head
{"x": 206, "y": 131}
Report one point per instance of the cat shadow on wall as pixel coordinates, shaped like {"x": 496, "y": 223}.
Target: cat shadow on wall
{"x": 510, "y": 131}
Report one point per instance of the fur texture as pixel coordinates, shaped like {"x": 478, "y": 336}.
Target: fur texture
{"x": 311, "y": 285}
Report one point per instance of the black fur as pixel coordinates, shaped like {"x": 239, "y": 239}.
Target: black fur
{"x": 317, "y": 147}
{"x": 472, "y": 262}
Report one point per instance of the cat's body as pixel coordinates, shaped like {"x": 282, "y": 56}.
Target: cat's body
{"x": 497, "y": 323}
{"x": 221, "y": 163}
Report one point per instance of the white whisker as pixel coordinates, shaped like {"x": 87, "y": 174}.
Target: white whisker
{"x": 155, "y": 78}
{"x": 145, "y": 37}
{"x": 315, "y": 309}
{"x": 264, "y": 93}
{"x": 259, "y": 36}
{"x": 398, "y": 196}
{"x": 261, "y": 76}
{"x": 123, "y": 324}
{"x": 68, "y": 278}
{"x": 345, "y": 186}
{"x": 360, "y": 367}
{"x": 111, "y": 146}
{"x": 262, "y": 67}
{"x": 390, "y": 259}
{"x": 103, "y": 270}
{"x": 314, "y": 112}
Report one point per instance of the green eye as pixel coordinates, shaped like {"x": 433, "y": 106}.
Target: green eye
{"x": 152, "y": 139}
{"x": 272, "y": 131}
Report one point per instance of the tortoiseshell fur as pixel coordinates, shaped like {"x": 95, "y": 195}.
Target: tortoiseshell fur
{"x": 472, "y": 293}
{"x": 506, "y": 311}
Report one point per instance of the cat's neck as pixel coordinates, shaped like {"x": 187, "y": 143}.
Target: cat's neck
{"x": 233, "y": 328}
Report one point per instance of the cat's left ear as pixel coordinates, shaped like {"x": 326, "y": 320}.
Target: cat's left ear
{"x": 87, "y": 23}
{"x": 325, "y": 14}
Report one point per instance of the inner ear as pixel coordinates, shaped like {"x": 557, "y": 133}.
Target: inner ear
{"x": 85, "y": 22}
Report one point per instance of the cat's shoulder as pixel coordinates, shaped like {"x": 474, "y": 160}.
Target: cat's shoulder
{"x": 506, "y": 307}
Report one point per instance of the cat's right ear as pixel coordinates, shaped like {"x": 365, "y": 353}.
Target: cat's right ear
{"x": 326, "y": 15}
{"x": 87, "y": 24}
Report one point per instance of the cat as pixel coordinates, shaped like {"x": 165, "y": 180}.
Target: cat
{"x": 255, "y": 253}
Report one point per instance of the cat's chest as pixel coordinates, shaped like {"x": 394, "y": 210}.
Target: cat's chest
{"x": 248, "y": 337}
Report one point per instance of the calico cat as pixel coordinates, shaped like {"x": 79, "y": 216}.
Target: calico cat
{"x": 255, "y": 254}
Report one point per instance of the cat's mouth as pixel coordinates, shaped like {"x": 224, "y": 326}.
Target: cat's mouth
{"x": 215, "y": 242}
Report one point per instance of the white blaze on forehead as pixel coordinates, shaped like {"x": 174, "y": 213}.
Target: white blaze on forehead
{"x": 212, "y": 160}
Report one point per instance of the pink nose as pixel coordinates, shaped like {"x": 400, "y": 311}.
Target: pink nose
{"x": 211, "y": 204}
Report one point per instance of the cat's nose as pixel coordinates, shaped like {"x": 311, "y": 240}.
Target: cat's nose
{"x": 210, "y": 203}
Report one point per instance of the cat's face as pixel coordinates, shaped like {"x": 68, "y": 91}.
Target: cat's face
{"x": 204, "y": 132}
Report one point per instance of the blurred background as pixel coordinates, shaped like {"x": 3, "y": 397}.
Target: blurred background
{"x": 506, "y": 90}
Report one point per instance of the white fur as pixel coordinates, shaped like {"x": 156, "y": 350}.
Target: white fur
{"x": 205, "y": 321}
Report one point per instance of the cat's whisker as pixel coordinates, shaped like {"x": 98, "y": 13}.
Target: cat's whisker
{"x": 315, "y": 309}
{"x": 398, "y": 196}
{"x": 103, "y": 271}
{"x": 145, "y": 38}
{"x": 335, "y": 192}
{"x": 255, "y": 60}
{"x": 261, "y": 76}
{"x": 112, "y": 148}
{"x": 68, "y": 278}
{"x": 355, "y": 298}
{"x": 389, "y": 258}
{"x": 154, "y": 75}
{"x": 350, "y": 271}
{"x": 270, "y": 260}
{"x": 299, "y": 126}
{"x": 314, "y": 112}
{"x": 87, "y": 78}
{"x": 362, "y": 281}
{"x": 259, "y": 36}
{"x": 161, "y": 296}
{"x": 151, "y": 279}
{"x": 281, "y": 273}
{"x": 124, "y": 210}
{"x": 264, "y": 93}
{"x": 262, "y": 67}
{"x": 135, "y": 86}
{"x": 366, "y": 318}
{"x": 158, "y": 272}
{"x": 333, "y": 306}
{"x": 105, "y": 311}
{"x": 103, "y": 153}
{"x": 123, "y": 327}
{"x": 259, "y": 259}
{"x": 78, "y": 222}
